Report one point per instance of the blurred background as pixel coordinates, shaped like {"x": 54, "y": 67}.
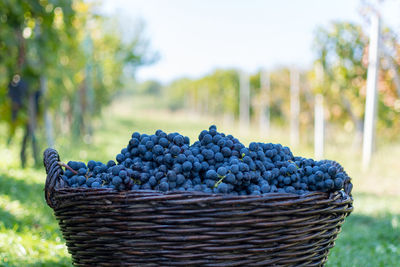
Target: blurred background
{"x": 320, "y": 77}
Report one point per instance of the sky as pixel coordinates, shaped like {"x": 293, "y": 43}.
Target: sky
{"x": 194, "y": 38}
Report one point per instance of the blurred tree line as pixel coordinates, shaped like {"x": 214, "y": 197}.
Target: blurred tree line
{"x": 60, "y": 57}
{"x": 341, "y": 51}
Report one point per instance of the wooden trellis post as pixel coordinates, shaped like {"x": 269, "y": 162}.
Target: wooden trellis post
{"x": 47, "y": 118}
{"x": 319, "y": 127}
{"x": 372, "y": 89}
{"x": 294, "y": 107}
{"x": 265, "y": 95}
{"x": 244, "y": 107}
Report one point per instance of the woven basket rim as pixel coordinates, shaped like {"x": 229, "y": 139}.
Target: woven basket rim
{"x": 282, "y": 200}
{"x": 103, "y": 191}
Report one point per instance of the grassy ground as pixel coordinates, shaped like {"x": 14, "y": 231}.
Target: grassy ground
{"x": 29, "y": 234}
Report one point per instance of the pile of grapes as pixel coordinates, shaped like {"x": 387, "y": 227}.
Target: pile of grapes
{"x": 216, "y": 163}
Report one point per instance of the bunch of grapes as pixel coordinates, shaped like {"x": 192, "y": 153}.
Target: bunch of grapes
{"x": 216, "y": 163}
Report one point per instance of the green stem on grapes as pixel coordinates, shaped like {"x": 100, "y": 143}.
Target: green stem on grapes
{"x": 219, "y": 181}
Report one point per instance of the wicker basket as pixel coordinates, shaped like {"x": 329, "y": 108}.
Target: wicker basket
{"x": 148, "y": 228}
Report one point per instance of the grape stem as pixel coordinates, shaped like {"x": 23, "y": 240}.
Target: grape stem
{"x": 219, "y": 181}
{"x": 67, "y": 167}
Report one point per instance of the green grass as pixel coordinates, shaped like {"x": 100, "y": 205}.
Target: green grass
{"x": 29, "y": 234}
{"x": 368, "y": 241}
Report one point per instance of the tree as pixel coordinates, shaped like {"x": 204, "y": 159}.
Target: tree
{"x": 342, "y": 50}
{"x": 81, "y": 56}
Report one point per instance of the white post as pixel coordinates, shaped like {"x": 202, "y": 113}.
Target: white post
{"x": 244, "y": 108}
{"x": 319, "y": 127}
{"x": 265, "y": 92}
{"x": 294, "y": 107}
{"x": 372, "y": 84}
{"x": 205, "y": 101}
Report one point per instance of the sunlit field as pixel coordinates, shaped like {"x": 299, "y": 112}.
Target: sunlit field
{"x": 82, "y": 76}
{"x": 29, "y": 234}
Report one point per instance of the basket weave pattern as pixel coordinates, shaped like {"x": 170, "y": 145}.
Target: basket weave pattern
{"x": 148, "y": 228}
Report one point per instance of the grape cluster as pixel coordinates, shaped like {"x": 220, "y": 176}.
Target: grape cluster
{"x": 216, "y": 163}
